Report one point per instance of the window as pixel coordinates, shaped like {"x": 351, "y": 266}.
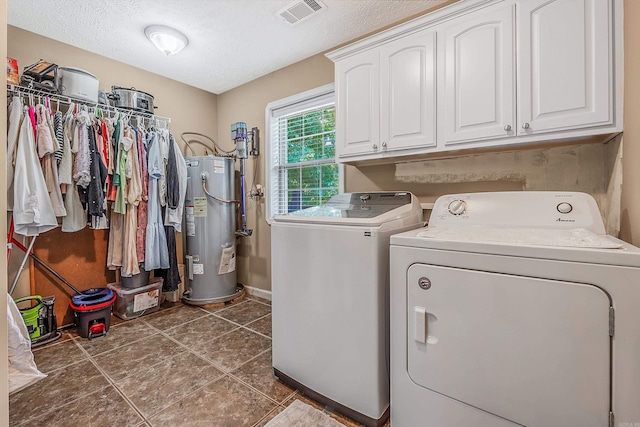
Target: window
{"x": 301, "y": 167}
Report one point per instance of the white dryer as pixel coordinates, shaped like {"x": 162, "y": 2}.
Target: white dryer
{"x": 514, "y": 309}
{"x": 330, "y": 291}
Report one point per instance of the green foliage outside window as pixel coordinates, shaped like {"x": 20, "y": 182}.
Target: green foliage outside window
{"x": 312, "y": 175}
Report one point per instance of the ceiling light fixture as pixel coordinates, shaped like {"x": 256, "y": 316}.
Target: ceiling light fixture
{"x": 166, "y": 39}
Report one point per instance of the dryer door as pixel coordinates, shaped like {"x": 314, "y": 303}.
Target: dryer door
{"x": 533, "y": 351}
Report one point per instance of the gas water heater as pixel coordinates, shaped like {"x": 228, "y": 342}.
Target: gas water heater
{"x": 210, "y": 226}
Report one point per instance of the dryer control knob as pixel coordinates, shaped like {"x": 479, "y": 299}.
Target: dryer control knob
{"x": 564, "y": 207}
{"x": 457, "y": 207}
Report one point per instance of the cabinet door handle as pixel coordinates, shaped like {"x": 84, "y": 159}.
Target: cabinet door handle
{"x": 525, "y": 126}
{"x": 375, "y": 146}
{"x": 507, "y": 128}
{"x": 384, "y": 145}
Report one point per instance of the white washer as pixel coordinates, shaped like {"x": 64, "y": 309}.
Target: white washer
{"x": 330, "y": 294}
{"x": 514, "y": 309}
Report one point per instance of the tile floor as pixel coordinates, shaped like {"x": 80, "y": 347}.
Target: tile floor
{"x": 180, "y": 366}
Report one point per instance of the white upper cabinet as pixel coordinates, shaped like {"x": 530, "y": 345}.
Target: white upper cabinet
{"x": 358, "y": 101}
{"x": 408, "y": 92}
{"x": 386, "y": 98}
{"x": 479, "y": 76}
{"x": 565, "y": 72}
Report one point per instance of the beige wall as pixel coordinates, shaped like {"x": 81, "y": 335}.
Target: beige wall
{"x": 4, "y": 391}
{"x": 630, "y": 220}
{"x": 190, "y": 109}
{"x": 247, "y": 104}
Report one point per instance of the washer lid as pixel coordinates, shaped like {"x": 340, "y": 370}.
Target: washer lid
{"x": 372, "y": 208}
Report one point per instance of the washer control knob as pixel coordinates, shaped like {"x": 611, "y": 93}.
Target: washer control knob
{"x": 457, "y": 207}
{"x": 564, "y": 208}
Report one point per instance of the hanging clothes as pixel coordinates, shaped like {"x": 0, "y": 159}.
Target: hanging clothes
{"x": 32, "y": 210}
{"x": 73, "y": 164}
{"x": 44, "y": 139}
{"x": 164, "y": 154}
{"x": 65, "y": 168}
{"x": 95, "y": 189}
{"x": 76, "y": 218}
{"x": 82, "y": 161}
{"x": 115, "y": 249}
{"x": 157, "y": 253}
{"x": 50, "y": 173}
{"x": 171, "y": 275}
{"x": 130, "y": 265}
{"x": 15, "y": 120}
{"x": 173, "y": 214}
{"x": 48, "y": 163}
{"x": 141, "y": 232}
{"x": 58, "y": 126}
{"x": 134, "y": 177}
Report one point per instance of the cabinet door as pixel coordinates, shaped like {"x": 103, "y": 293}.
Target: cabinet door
{"x": 479, "y": 76}
{"x": 407, "y": 96}
{"x": 564, "y": 64}
{"x": 358, "y": 104}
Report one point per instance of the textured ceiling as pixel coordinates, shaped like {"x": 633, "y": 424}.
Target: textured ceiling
{"x": 231, "y": 42}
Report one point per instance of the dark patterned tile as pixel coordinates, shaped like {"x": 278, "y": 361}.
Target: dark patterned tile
{"x": 117, "y": 336}
{"x": 245, "y": 312}
{"x": 212, "y": 308}
{"x": 58, "y": 355}
{"x": 257, "y": 298}
{"x": 175, "y": 316}
{"x": 258, "y": 373}
{"x": 224, "y": 402}
{"x": 262, "y": 325}
{"x": 102, "y": 408}
{"x": 154, "y": 388}
{"x": 235, "y": 348}
{"x": 59, "y": 388}
{"x": 201, "y": 330}
{"x": 138, "y": 355}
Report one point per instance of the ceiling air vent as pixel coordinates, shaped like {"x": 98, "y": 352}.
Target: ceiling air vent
{"x": 300, "y": 10}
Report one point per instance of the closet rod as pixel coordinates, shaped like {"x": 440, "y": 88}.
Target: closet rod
{"x": 17, "y": 90}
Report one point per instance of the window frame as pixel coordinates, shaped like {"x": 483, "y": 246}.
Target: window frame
{"x": 282, "y": 107}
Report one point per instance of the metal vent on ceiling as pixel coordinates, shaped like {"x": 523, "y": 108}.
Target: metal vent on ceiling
{"x": 300, "y": 10}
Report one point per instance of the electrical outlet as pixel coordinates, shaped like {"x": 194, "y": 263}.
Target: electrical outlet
{"x": 257, "y": 192}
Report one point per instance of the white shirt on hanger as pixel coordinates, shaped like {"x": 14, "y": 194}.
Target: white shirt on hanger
{"x": 32, "y": 210}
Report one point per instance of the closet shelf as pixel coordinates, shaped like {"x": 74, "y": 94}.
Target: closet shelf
{"x": 17, "y": 90}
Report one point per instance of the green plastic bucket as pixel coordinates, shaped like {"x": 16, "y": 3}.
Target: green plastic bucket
{"x": 31, "y": 314}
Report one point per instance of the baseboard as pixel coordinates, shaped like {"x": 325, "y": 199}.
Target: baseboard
{"x": 257, "y": 292}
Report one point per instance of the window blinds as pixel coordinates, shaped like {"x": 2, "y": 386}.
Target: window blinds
{"x": 303, "y": 171}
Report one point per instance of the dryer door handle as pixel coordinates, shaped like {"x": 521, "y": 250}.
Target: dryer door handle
{"x": 420, "y": 324}
{"x": 425, "y": 326}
